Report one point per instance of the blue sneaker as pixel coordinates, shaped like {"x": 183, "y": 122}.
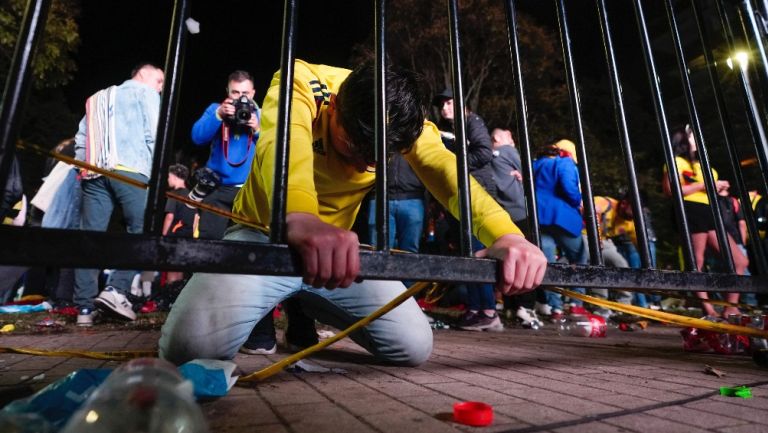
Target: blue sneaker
{"x": 86, "y": 316}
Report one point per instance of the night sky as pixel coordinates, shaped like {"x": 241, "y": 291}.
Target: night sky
{"x": 235, "y": 34}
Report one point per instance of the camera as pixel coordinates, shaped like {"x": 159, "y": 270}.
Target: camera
{"x": 244, "y": 109}
{"x": 206, "y": 181}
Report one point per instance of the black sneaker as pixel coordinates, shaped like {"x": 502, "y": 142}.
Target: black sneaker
{"x": 259, "y": 347}
{"x": 479, "y": 321}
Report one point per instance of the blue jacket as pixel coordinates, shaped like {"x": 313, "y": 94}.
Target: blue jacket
{"x": 207, "y": 130}
{"x": 558, "y": 197}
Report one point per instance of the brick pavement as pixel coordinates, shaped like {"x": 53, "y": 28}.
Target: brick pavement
{"x": 536, "y": 381}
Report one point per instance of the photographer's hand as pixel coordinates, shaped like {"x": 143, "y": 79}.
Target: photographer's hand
{"x": 226, "y": 109}
{"x": 253, "y": 123}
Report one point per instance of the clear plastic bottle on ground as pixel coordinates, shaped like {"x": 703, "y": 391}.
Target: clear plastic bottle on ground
{"x": 144, "y": 395}
{"x": 582, "y": 325}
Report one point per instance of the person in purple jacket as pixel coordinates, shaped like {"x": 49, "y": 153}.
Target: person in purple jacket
{"x": 558, "y": 199}
{"x": 231, "y": 129}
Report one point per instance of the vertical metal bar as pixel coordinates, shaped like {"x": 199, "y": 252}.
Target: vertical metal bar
{"x": 522, "y": 124}
{"x": 748, "y": 15}
{"x": 661, "y": 118}
{"x": 623, "y": 129}
{"x": 709, "y": 181}
{"x": 174, "y": 65}
{"x": 755, "y": 117}
{"x": 279, "y": 193}
{"x": 382, "y": 201}
{"x": 459, "y": 125}
{"x": 596, "y": 255}
{"x": 725, "y": 123}
{"x": 17, "y": 83}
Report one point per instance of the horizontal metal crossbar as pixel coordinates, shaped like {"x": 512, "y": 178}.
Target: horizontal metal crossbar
{"x": 123, "y": 251}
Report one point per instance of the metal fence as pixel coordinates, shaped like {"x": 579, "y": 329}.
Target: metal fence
{"x": 740, "y": 22}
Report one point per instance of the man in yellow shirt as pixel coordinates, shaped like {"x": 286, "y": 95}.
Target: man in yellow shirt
{"x": 330, "y": 169}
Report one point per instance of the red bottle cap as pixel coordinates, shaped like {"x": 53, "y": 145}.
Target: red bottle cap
{"x": 474, "y": 413}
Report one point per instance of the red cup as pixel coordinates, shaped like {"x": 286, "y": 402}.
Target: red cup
{"x": 474, "y": 413}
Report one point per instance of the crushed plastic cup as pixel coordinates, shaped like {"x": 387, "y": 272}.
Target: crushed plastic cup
{"x": 474, "y": 413}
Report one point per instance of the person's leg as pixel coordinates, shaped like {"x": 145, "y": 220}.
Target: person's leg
{"x": 205, "y": 324}
{"x": 699, "y": 241}
{"x": 213, "y": 226}
{"x": 372, "y": 232}
{"x": 97, "y": 206}
{"x": 133, "y": 202}
{"x": 410, "y": 224}
{"x": 372, "y": 228}
{"x": 548, "y": 247}
{"x": 402, "y": 336}
{"x": 612, "y": 257}
{"x": 574, "y": 250}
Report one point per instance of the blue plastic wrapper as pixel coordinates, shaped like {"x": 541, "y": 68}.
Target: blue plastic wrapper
{"x": 211, "y": 377}
{"x": 58, "y": 401}
{"x": 44, "y": 306}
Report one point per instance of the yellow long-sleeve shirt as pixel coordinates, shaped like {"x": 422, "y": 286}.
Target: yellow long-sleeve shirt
{"x": 320, "y": 183}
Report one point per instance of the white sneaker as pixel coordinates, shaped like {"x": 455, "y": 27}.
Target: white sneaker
{"x": 543, "y": 309}
{"x": 112, "y": 302}
{"x": 86, "y": 316}
{"x": 528, "y": 318}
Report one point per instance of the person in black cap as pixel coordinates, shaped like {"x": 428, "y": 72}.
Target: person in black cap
{"x": 481, "y": 300}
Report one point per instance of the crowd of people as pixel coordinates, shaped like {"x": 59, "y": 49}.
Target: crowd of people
{"x": 331, "y": 186}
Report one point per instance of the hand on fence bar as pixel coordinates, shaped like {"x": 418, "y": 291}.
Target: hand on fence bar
{"x": 522, "y": 264}
{"x": 330, "y": 255}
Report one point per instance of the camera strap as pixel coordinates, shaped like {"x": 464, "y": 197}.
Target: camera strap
{"x": 225, "y": 145}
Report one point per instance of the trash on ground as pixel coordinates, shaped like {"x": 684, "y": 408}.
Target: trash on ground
{"x": 474, "y": 413}
{"x": 309, "y": 367}
{"x": 8, "y": 328}
{"x": 210, "y": 377}
{"x": 713, "y": 371}
{"x": 736, "y": 391}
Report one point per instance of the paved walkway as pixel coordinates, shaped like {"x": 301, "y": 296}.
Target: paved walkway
{"x": 535, "y": 380}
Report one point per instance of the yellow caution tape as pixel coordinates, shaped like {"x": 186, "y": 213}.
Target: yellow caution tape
{"x": 120, "y": 355}
{"x": 699, "y": 300}
{"x": 661, "y": 316}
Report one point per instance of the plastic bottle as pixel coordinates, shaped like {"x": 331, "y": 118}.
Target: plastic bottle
{"x": 144, "y": 395}
{"x": 582, "y": 325}
{"x": 759, "y": 346}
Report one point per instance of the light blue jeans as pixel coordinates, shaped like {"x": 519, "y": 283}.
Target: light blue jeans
{"x": 215, "y": 313}
{"x": 100, "y": 196}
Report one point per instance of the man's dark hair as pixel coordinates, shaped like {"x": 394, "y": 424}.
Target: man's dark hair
{"x": 179, "y": 170}
{"x": 406, "y": 108}
{"x": 141, "y": 66}
{"x": 239, "y": 76}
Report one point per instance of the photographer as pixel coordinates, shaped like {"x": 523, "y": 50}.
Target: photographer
{"x": 231, "y": 129}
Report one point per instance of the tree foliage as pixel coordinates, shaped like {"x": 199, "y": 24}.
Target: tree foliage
{"x": 53, "y": 64}
{"x": 417, "y": 38}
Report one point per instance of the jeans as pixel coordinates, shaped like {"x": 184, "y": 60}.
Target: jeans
{"x": 99, "y": 198}
{"x": 208, "y": 323}
{"x": 572, "y": 247}
{"x": 64, "y": 210}
{"x": 406, "y": 223}
{"x": 480, "y": 296}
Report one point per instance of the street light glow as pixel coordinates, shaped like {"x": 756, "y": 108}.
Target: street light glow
{"x": 740, "y": 56}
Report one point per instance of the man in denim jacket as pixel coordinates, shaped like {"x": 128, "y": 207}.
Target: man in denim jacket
{"x": 117, "y": 133}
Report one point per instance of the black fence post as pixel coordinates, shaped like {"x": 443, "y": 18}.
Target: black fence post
{"x": 279, "y": 193}
{"x": 382, "y": 201}
{"x": 459, "y": 125}
{"x": 17, "y": 84}
{"x": 623, "y": 130}
{"x": 174, "y": 65}
{"x": 595, "y": 253}
{"x": 661, "y": 117}
{"x": 534, "y": 234}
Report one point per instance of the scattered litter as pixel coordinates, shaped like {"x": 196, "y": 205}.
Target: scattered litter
{"x": 325, "y": 334}
{"x": 210, "y": 377}
{"x": 24, "y": 377}
{"x": 308, "y": 367}
{"x": 8, "y": 328}
{"x": 50, "y": 323}
{"x": 713, "y": 371}
{"x": 40, "y": 376}
{"x": 736, "y": 391}
{"x": 439, "y": 324}
{"x": 44, "y": 306}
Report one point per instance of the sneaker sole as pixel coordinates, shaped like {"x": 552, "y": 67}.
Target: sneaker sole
{"x": 247, "y": 351}
{"x": 111, "y": 310}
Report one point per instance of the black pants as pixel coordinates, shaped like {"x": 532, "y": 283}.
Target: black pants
{"x": 212, "y": 226}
